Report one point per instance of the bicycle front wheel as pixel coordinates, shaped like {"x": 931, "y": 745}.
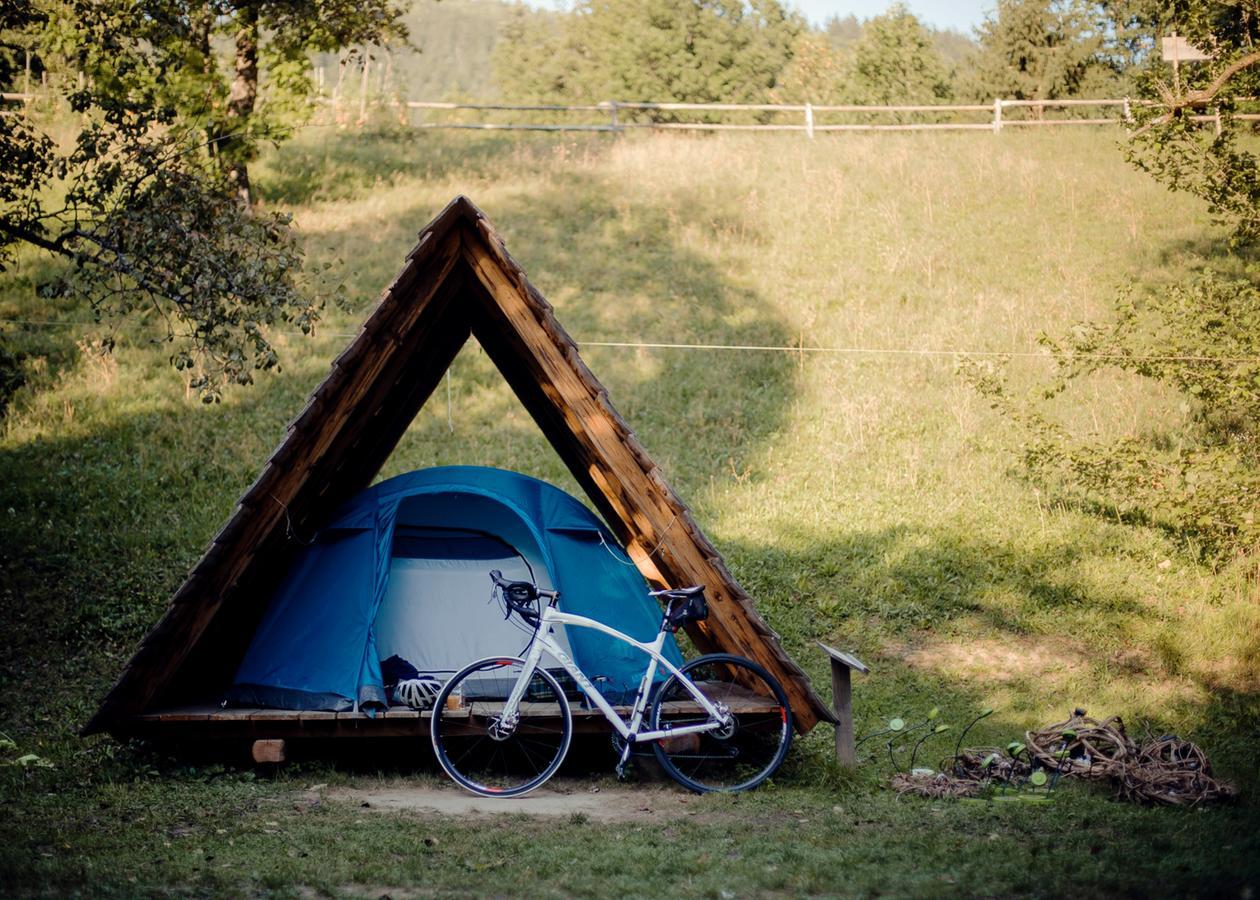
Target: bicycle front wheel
{"x": 747, "y": 749}
{"x": 491, "y": 755}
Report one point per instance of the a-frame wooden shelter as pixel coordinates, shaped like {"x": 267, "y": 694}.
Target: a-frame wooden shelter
{"x": 458, "y": 282}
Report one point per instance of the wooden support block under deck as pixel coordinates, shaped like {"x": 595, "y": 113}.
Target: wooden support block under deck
{"x": 269, "y": 751}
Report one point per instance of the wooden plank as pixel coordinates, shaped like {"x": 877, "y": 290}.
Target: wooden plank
{"x": 610, "y": 487}
{"x": 230, "y": 714}
{"x": 316, "y": 717}
{"x": 402, "y": 713}
{"x": 596, "y": 439}
{"x": 275, "y": 715}
{"x": 177, "y": 716}
{"x": 167, "y": 646}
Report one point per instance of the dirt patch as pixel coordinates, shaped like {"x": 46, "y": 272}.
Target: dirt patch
{"x": 1057, "y": 664}
{"x": 596, "y": 802}
{"x": 999, "y": 660}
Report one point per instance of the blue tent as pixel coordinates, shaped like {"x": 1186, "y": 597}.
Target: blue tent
{"x": 402, "y": 570}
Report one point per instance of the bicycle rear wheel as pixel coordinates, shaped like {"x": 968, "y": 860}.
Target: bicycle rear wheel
{"x": 487, "y": 755}
{"x": 739, "y": 756}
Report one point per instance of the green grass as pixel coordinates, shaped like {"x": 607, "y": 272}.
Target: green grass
{"x": 866, "y": 499}
{"x": 228, "y": 837}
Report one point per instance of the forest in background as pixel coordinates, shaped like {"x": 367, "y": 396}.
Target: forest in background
{"x": 451, "y": 50}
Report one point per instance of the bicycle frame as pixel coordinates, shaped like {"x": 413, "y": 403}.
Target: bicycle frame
{"x": 629, "y": 730}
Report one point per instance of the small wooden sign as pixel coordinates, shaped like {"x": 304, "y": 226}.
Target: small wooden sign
{"x": 1178, "y": 49}
{"x": 847, "y": 658}
{"x": 842, "y": 698}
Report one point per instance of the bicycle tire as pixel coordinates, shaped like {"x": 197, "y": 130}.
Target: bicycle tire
{"x": 491, "y": 766}
{"x": 717, "y": 761}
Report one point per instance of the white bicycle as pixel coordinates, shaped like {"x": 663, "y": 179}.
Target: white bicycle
{"x": 501, "y": 726}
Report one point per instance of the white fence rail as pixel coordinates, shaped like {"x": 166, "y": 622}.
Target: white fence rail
{"x": 620, "y": 115}
{"x": 996, "y": 116}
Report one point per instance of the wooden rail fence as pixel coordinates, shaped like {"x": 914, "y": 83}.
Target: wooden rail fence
{"x": 618, "y": 115}
{"x": 997, "y": 116}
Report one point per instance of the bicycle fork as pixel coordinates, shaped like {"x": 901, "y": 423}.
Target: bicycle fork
{"x": 636, "y": 717}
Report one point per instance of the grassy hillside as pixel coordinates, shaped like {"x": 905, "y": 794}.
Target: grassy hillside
{"x": 868, "y": 499}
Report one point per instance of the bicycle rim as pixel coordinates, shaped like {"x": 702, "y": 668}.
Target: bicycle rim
{"x": 471, "y": 745}
{"x": 737, "y": 758}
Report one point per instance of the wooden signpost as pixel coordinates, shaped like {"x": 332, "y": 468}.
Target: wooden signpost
{"x": 1176, "y": 50}
{"x": 842, "y": 698}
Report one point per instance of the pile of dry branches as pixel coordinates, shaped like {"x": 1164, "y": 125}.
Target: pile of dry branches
{"x": 935, "y": 785}
{"x": 1082, "y": 746}
{"x": 1161, "y": 770}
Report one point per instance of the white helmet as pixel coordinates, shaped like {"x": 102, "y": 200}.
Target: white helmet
{"x": 418, "y": 693}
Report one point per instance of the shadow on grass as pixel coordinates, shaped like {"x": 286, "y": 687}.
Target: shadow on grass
{"x": 952, "y": 621}
{"x": 99, "y": 525}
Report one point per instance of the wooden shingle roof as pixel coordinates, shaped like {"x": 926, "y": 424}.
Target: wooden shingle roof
{"x": 459, "y": 281}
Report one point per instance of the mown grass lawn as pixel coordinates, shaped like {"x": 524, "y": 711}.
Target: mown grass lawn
{"x": 177, "y": 834}
{"x": 869, "y": 499}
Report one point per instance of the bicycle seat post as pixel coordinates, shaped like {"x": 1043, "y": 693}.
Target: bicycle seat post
{"x": 669, "y": 608}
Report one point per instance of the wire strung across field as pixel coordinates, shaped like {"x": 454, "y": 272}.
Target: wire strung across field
{"x": 803, "y": 349}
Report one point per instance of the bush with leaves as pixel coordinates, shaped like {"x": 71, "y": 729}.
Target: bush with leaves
{"x": 140, "y": 185}
{"x": 1199, "y": 339}
{"x": 147, "y": 229}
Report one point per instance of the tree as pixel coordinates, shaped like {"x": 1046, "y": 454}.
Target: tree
{"x": 697, "y": 51}
{"x": 1043, "y": 50}
{"x": 844, "y": 32}
{"x": 896, "y": 62}
{"x": 538, "y": 58}
{"x": 271, "y": 41}
{"x": 818, "y": 73}
{"x": 143, "y": 203}
{"x": 1199, "y": 339}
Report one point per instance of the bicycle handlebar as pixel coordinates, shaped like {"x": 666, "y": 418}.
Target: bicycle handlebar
{"x": 497, "y": 577}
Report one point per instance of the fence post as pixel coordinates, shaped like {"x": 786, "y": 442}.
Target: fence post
{"x": 363, "y": 85}
{"x": 612, "y": 116}
{"x": 1128, "y": 111}
{"x": 809, "y": 120}
{"x": 997, "y": 114}
{"x": 1216, "y": 121}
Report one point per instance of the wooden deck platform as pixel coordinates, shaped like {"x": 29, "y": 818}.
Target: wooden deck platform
{"x": 216, "y": 722}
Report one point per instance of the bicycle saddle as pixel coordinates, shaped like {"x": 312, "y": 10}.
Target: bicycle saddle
{"x": 680, "y": 593}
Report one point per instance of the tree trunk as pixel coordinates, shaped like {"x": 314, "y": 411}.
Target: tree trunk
{"x": 203, "y": 23}
{"x": 363, "y": 85}
{"x": 343, "y": 59}
{"x": 241, "y": 97}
